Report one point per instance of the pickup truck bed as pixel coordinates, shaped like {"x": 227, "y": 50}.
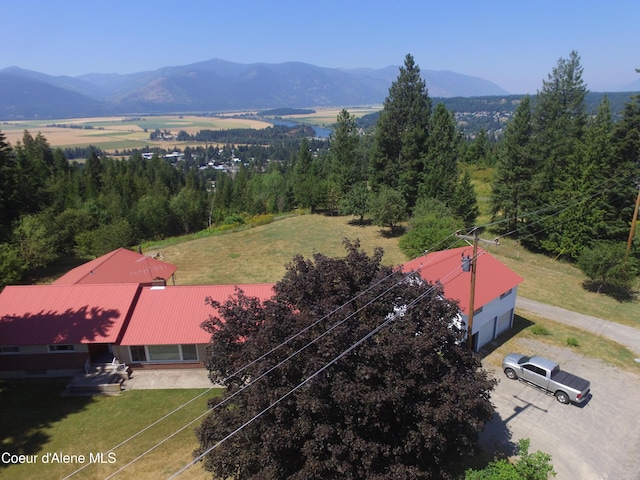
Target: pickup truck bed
{"x": 570, "y": 380}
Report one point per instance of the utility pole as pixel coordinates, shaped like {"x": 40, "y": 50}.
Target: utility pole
{"x": 633, "y": 227}
{"x": 472, "y": 293}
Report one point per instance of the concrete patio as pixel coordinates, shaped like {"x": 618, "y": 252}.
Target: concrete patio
{"x": 168, "y": 378}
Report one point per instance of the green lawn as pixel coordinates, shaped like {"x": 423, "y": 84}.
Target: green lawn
{"x": 37, "y": 420}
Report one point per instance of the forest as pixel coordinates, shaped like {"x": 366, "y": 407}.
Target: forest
{"x": 565, "y": 180}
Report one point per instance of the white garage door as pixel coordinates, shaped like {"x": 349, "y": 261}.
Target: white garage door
{"x": 485, "y": 334}
{"x": 504, "y": 322}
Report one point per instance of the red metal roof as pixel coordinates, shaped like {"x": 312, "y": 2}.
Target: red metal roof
{"x": 118, "y": 266}
{"x": 173, "y": 314}
{"x": 67, "y": 314}
{"x": 493, "y": 278}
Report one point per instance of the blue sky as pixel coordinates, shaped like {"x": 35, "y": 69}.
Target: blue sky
{"x": 514, "y": 44}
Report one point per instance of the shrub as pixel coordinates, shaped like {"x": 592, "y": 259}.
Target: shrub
{"x": 573, "y": 342}
{"x": 540, "y": 330}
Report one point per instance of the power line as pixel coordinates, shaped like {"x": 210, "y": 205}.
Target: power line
{"x": 388, "y": 320}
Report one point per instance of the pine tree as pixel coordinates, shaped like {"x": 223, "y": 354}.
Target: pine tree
{"x": 464, "y": 202}
{"x": 347, "y": 166}
{"x": 559, "y": 120}
{"x": 512, "y": 185}
{"x": 401, "y": 134}
{"x": 440, "y": 161}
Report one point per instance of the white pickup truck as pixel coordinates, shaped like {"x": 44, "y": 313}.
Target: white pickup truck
{"x": 546, "y": 375}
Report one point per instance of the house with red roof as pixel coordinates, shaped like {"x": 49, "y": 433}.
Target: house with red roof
{"x": 495, "y": 290}
{"x": 59, "y": 330}
{"x": 54, "y": 330}
{"x": 164, "y": 327}
{"x": 119, "y": 308}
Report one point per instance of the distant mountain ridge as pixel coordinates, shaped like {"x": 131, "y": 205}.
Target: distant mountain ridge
{"x": 213, "y": 86}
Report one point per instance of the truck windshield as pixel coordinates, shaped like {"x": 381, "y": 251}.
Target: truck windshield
{"x": 523, "y": 360}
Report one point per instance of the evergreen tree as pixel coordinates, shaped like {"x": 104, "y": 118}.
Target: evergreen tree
{"x": 464, "y": 202}
{"x": 582, "y": 218}
{"x": 401, "y": 134}
{"x": 559, "y": 120}
{"x": 440, "y": 161}
{"x": 347, "y": 166}
{"x": 9, "y": 203}
{"x": 512, "y": 185}
{"x": 303, "y": 181}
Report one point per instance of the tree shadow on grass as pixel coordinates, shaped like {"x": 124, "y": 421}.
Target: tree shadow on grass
{"x": 620, "y": 294}
{"x": 394, "y": 232}
{"x": 28, "y": 408}
{"x": 357, "y": 222}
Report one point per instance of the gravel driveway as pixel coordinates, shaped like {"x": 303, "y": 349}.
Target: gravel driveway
{"x": 597, "y": 440}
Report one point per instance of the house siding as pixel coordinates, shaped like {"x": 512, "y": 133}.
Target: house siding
{"x": 42, "y": 364}
{"x": 487, "y": 319}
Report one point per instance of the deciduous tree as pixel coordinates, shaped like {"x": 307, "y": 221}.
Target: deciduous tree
{"x": 407, "y": 402}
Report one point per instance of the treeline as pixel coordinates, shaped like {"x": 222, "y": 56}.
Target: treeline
{"x": 50, "y": 207}
{"x": 249, "y": 135}
{"x": 565, "y": 180}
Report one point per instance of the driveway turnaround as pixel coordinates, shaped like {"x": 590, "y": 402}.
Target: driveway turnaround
{"x": 598, "y": 440}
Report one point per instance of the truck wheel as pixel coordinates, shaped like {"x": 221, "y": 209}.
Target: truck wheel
{"x": 510, "y": 373}
{"x": 562, "y": 397}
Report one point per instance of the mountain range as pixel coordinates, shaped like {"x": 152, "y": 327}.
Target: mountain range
{"x": 213, "y": 86}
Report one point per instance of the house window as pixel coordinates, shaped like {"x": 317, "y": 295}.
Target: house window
{"x": 189, "y": 352}
{"x": 163, "y": 353}
{"x": 138, "y": 353}
{"x": 62, "y": 348}
{"x": 506, "y": 294}
{"x": 10, "y": 349}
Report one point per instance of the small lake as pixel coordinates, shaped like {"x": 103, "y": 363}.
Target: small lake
{"x": 321, "y": 132}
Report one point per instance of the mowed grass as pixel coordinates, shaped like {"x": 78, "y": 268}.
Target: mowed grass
{"x": 41, "y": 421}
{"x": 37, "y": 420}
{"x": 259, "y": 254}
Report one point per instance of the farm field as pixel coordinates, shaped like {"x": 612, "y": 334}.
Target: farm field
{"x": 325, "y": 117}
{"x": 110, "y": 133}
